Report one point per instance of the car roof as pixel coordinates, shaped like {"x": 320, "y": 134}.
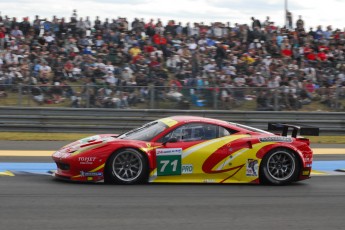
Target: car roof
{"x": 198, "y": 119}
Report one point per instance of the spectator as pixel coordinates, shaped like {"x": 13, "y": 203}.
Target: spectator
{"x": 2, "y": 36}
{"x": 110, "y": 78}
{"x": 300, "y": 22}
{"x": 46, "y": 70}
{"x": 68, "y": 69}
{"x": 255, "y": 23}
{"x": 56, "y": 93}
{"x": 263, "y": 101}
{"x": 37, "y": 95}
{"x": 258, "y": 80}
{"x": 17, "y": 33}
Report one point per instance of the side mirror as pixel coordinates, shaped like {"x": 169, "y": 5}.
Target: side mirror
{"x": 170, "y": 140}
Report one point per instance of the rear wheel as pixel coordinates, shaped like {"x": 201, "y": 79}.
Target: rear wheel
{"x": 127, "y": 166}
{"x": 280, "y": 166}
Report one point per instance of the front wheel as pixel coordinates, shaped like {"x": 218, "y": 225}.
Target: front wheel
{"x": 127, "y": 166}
{"x": 280, "y": 166}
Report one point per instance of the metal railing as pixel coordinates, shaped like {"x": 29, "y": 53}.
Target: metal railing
{"x": 159, "y": 97}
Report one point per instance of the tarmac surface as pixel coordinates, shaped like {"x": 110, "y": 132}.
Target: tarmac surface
{"x": 40, "y": 202}
{"x": 35, "y": 200}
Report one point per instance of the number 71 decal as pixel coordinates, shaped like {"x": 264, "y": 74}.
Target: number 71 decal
{"x": 169, "y": 161}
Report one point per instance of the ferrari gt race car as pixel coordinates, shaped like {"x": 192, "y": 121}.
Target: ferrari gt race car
{"x": 188, "y": 149}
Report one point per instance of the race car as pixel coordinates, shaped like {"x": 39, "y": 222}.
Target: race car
{"x": 189, "y": 149}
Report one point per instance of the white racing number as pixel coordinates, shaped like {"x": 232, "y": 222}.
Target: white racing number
{"x": 169, "y": 161}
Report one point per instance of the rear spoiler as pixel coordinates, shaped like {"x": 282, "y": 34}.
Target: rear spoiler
{"x": 303, "y": 130}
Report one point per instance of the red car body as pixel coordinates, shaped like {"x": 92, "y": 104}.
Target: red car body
{"x": 187, "y": 149}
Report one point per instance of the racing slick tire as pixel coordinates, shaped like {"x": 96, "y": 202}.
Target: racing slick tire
{"x": 279, "y": 167}
{"x": 126, "y": 166}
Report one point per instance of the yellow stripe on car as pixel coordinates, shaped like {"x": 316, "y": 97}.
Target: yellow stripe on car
{"x": 168, "y": 121}
{"x": 86, "y": 148}
{"x": 193, "y": 156}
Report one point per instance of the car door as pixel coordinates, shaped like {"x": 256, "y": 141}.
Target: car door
{"x": 185, "y": 151}
{"x": 170, "y": 156}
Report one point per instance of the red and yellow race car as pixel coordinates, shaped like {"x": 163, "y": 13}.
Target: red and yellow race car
{"x": 188, "y": 149}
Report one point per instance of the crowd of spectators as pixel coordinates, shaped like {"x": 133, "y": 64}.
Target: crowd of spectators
{"x": 117, "y": 60}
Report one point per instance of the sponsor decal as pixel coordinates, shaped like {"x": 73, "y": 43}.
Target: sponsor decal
{"x": 169, "y": 151}
{"x": 187, "y": 169}
{"x": 86, "y": 160}
{"x": 276, "y": 139}
{"x": 209, "y": 181}
{"x": 90, "y": 174}
{"x": 252, "y": 167}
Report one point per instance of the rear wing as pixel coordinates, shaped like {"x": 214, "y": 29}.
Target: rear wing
{"x": 303, "y": 130}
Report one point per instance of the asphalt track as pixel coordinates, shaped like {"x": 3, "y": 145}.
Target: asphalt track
{"x": 34, "y": 202}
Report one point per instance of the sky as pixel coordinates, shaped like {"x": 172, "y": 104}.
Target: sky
{"x": 313, "y": 12}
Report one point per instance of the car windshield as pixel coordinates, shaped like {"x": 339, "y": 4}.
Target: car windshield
{"x": 250, "y": 128}
{"x": 145, "y": 132}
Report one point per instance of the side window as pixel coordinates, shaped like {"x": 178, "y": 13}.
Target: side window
{"x": 193, "y": 132}
{"x": 189, "y": 132}
{"x": 223, "y": 132}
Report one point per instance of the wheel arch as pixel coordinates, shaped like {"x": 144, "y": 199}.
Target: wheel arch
{"x": 294, "y": 151}
{"x": 292, "y": 148}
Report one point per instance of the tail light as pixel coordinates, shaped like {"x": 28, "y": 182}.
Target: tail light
{"x": 305, "y": 140}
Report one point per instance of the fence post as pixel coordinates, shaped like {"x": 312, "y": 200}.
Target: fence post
{"x": 275, "y": 100}
{"x": 337, "y": 92}
{"x": 152, "y": 96}
{"x": 215, "y": 98}
{"x": 87, "y": 96}
{"x": 20, "y": 94}
{"x": 28, "y": 94}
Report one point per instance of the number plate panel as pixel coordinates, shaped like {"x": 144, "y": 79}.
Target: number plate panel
{"x": 169, "y": 161}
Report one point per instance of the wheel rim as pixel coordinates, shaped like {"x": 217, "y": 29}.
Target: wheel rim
{"x": 127, "y": 166}
{"x": 281, "y": 165}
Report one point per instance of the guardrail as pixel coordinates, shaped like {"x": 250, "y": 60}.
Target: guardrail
{"x": 70, "y": 120}
{"x": 174, "y": 97}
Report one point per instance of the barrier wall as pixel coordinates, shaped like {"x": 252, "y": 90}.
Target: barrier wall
{"x": 83, "y": 120}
